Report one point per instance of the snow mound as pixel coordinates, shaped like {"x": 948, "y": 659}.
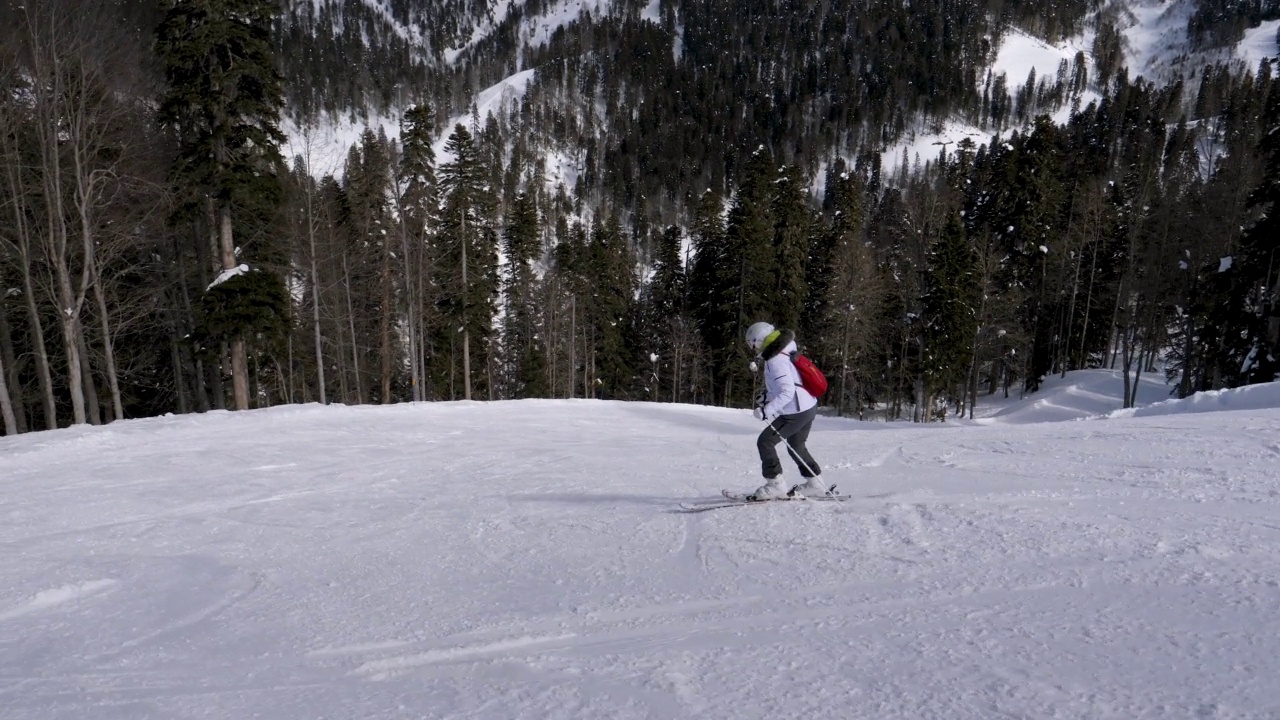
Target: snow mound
{"x": 1263, "y": 396}
{"x": 1096, "y": 394}
{"x": 1081, "y": 394}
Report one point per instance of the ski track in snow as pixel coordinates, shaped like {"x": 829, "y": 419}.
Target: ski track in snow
{"x": 521, "y": 560}
{"x": 57, "y": 596}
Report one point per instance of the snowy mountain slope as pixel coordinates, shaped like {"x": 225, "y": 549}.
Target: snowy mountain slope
{"x": 1259, "y": 43}
{"x": 538, "y": 29}
{"x": 1016, "y": 57}
{"x": 1155, "y": 47}
{"x": 523, "y": 560}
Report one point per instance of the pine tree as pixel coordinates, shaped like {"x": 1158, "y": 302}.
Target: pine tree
{"x": 572, "y": 285}
{"x": 610, "y": 271}
{"x": 792, "y": 221}
{"x": 223, "y": 100}
{"x": 1251, "y": 351}
{"x": 846, "y": 297}
{"x": 710, "y": 253}
{"x": 468, "y": 279}
{"x": 752, "y": 265}
{"x": 1030, "y": 197}
{"x": 747, "y": 281}
{"x": 374, "y": 237}
{"x": 418, "y": 164}
{"x": 523, "y": 346}
{"x": 950, "y": 301}
{"x": 664, "y": 314}
{"x": 419, "y": 206}
{"x": 710, "y": 282}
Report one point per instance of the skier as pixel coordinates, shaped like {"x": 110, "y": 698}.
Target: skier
{"x": 789, "y": 409}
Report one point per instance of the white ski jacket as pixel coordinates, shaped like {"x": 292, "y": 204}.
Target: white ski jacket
{"x": 783, "y": 393}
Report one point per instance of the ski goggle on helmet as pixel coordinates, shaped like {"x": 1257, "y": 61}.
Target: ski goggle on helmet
{"x": 758, "y": 334}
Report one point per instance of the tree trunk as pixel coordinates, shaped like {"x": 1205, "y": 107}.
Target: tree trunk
{"x": 351, "y": 320}
{"x": 489, "y": 368}
{"x": 217, "y": 388}
{"x": 384, "y": 330}
{"x": 240, "y": 373}
{"x": 453, "y": 366}
{"x": 68, "y": 310}
{"x": 844, "y": 365}
{"x": 315, "y": 300}
{"x": 411, "y": 307}
{"x": 466, "y": 330}
{"x": 1132, "y": 400}
{"x": 44, "y": 373}
{"x": 182, "y": 400}
{"x": 1064, "y": 344}
{"x": 93, "y": 411}
{"x": 549, "y": 323}
{"x": 198, "y": 376}
{"x": 1127, "y": 350}
{"x": 920, "y": 414}
{"x": 70, "y": 340}
{"x": 179, "y": 379}
{"x": 218, "y": 369}
{"x": 971, "y": 386}
{"x": 9, "y": 373}
{"x": 239, "y": 355}
{"x": 971, "y": 383}
{"x": 113, "y": 381}
{"x": 340, "y": 356}
{"x": 286, "y": 377}
{"x": 676, "y": 360}
{"x": 1188, "y": 348}
{"x": 1088, "y": 306}
{"x": 86, "y": 181}
{"x": 253, "y": 369}
{"x": 573, "y": 341}
{"x": 6, "y": 403}
{"x": 1115, "y": 339}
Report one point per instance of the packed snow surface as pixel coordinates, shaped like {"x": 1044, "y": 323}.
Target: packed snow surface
{"x": 529, "y": 560}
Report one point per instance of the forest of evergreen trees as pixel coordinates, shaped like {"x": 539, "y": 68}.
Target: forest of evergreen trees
{"x": 159, "y": 254}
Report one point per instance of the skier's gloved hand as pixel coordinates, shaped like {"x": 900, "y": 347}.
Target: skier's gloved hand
{"x": 758, "y": 412}
{"x": 762, "y": 398}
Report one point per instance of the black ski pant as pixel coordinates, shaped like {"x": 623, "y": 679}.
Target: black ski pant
{"x": 795, "y": 429}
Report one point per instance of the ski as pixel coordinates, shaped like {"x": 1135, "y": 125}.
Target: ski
{"x": 704, "y": 507}
{"x": 736, "y": 499}
{"x": 746, "y": 498}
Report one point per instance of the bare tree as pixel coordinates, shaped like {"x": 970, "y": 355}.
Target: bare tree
{"x": 12, "y": 426}
{"x": 311, "y": 221}
{"x": 82, "y": 130}
{"x": 50, "y": 53}
{"x": 17, "y": 238}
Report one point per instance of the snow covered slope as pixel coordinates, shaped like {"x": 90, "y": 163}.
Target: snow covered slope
{"x": 1080, "y": 395}
{"x": 1156, "y": 47}
{"x": 526, "y": 560}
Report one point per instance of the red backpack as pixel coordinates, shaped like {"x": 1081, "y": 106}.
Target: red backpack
{"x": 811, "y": 378}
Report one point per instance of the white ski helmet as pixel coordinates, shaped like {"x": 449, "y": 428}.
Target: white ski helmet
{"x": 757, "y": 334}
